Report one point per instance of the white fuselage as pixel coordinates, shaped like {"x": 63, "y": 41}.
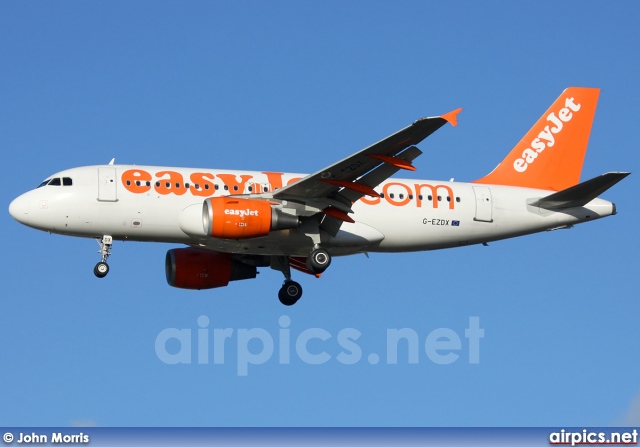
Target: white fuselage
{"x": 411, "y": 215}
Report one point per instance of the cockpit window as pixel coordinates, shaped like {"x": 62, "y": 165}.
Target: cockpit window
{"x": 66, "y": 181}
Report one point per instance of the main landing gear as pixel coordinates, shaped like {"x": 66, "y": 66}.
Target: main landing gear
{"x": 290, "y": 292}
{"x": 102, "y": 268}
{"x": 318, "y": 261}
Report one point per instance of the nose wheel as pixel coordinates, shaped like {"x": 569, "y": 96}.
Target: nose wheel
{"x": 102, "y": 268}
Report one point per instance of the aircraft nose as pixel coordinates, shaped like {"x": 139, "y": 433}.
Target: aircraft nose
{"x": 19, "y": 210}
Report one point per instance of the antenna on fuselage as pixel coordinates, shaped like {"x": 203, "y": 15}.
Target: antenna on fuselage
{"x": 113, "y": 160}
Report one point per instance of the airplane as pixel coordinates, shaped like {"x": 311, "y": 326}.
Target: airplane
{"x": 234, "y": 222}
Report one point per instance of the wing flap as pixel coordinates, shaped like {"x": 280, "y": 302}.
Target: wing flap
{"x": 372, "y": 179}
{"x": 378, "y": 175}
{"x": 348, "y": 180}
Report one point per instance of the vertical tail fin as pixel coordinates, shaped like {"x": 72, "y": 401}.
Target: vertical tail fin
{"x": 551, "y": 154}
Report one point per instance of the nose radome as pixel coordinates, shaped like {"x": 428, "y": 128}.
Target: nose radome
{"x": 19, "y": 210}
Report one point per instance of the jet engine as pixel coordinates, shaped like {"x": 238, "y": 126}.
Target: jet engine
{"x": 190, "y": 268}
{"x": 235, "y": 218}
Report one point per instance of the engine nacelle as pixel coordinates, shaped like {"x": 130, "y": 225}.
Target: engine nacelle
{"x": 190, "y": 268}
{"x": 236, "y": 218}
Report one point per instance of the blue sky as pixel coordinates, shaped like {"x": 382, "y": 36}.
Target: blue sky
{"x": 295, "y": 86}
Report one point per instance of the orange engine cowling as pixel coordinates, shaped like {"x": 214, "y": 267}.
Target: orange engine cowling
{"x": 190, "y": 268}
{"x": 235, "y": 218}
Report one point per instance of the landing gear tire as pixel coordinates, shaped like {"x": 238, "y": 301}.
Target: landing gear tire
{"x": 101, "y": 269}
{"x": 318, "y": 261}
{"x": 290, "y": 293}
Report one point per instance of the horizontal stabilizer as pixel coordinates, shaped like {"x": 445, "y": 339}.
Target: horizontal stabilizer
{"x": 580, "y": 194}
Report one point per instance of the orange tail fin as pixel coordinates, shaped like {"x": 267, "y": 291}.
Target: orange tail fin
{"x": 551, "y": 154}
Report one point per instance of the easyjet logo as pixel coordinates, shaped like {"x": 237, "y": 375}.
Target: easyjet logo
{"x": 546, "y": 138}
{"x": 241, "y": 213}
{"x": 203, "y": 184}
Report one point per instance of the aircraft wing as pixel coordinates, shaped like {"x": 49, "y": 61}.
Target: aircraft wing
{"x": 337, "y": 186}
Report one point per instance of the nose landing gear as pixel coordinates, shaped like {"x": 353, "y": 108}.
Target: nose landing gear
{"x": 102, "y": 268}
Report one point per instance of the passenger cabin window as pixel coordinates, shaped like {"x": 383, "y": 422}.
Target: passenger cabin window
{"x": 55, "y": 182}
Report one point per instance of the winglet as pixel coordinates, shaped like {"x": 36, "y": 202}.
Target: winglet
{"x": 452, "y": 117}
